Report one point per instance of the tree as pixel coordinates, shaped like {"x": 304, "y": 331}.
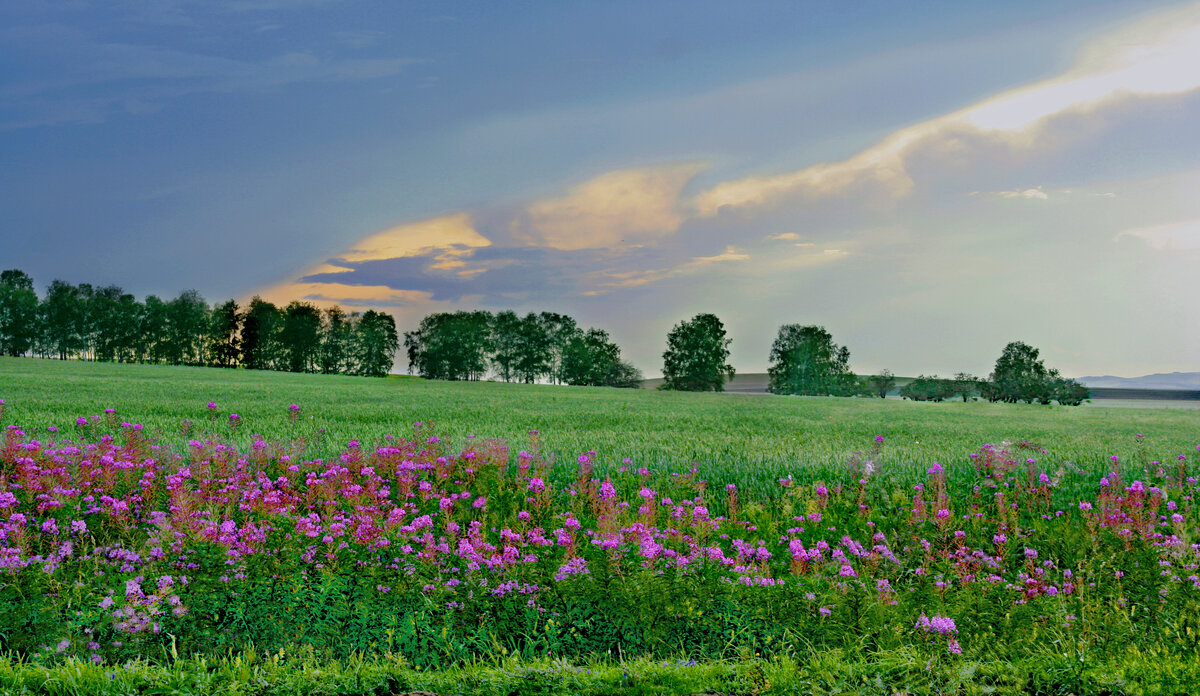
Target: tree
{"x": 805, "y": 360}
{"x": 966, "y": 385}
{"x": 260, "y": 330}
{"x": 375, "y": 343}
{"x": 300, "y": 336}
{"x": 224, "y": 341}
{"x": 61, "y": 317}
{"x": 152, "y": 341}
{"x": 1068, "y": 392}
{"x": 187, "y": 328}
{"x": 624, "y": 375}
{"x": 881, "y": 383}
{"x": 931, "y": 388}
{"x": 696, "y": 354}
{"x": 18, "y": 313}
{"x": 1019, "y": 374}
{"x": 449, "y": 345}
{"x": 111, "y": 329}
{"x": 535, "y": 349}
{"x": 506, "y": 341}
{"x": 560, "y": 329}
{"x": 337, "y": 332}
{"x": 589, "y": 359}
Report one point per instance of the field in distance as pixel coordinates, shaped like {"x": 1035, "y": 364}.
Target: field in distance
{"x": 731, "y": 436}
{"x": 1130, "y": 395}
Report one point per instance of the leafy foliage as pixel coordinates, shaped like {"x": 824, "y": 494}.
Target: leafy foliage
{"x": 881, "y": 384}
{"x": 696, "y": 355}
{"x": 1020, "y": 375}
{"x": 931, "y": 388}
{"x": 108, "y": 324}
{"x": 806, "y": 361}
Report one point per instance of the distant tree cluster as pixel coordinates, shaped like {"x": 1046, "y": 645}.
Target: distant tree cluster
{"x": 546, "y": 346}
{"x": 108, "y": 324}
{"x": 1020, "y": 375}
{"x": 804, "y": 360}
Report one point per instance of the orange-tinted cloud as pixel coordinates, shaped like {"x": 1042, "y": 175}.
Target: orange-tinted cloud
{"x": 627, "y": 207}
{"x": 1158, "y": 56}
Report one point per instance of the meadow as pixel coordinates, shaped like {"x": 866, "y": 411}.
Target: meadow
{"x": 374, "y": 536}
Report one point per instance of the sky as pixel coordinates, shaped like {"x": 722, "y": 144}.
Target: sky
{"x": 928, "y": 181}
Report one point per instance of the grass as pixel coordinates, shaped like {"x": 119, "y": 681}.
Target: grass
{"x": 771, "y": 435}
{"x": 750, "y": 440}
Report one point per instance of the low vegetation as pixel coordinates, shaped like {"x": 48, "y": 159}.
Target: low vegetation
{"x": 809, "y": 552}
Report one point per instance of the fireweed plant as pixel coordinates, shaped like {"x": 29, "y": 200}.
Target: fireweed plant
{"x": 114, "y": 545}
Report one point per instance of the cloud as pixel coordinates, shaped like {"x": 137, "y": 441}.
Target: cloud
{"x": 1029, "y": 193}
{"x": 1157, "y": 56}
{"x": 730, "y": 254}
{"x": 1175, "y": 236}
{"x": 437, "y": 244}
{"x": 625, "y": 208}
{"x": 350, "y": 297}
{"x": 449, "y": 233}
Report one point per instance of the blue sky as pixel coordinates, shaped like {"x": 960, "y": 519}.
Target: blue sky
{"x": 927, "y": 180}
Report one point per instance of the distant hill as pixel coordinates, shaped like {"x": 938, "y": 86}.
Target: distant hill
{"x": 1170, "y": 380}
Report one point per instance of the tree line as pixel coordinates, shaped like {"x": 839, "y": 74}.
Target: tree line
{"x": 546, "y": 346}
{"x": 804, "y": 360}
{"x": 107, "y": 324}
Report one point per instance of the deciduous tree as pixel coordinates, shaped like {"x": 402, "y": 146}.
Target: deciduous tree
{"x": 696, "y": 355}
{"x": 805, "y": 360}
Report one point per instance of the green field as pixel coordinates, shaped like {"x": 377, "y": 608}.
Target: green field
{"x": 1050, "y": 575}
{"x": 731, "y": 437}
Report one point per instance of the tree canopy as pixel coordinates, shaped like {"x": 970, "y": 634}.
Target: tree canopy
{"x": 463, "y": 345}
{"x": 109, "y": 324}
{"x": 696, "y": 355}
{"x": 1021, "y": 375}
{"x": 805, "y": 360}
